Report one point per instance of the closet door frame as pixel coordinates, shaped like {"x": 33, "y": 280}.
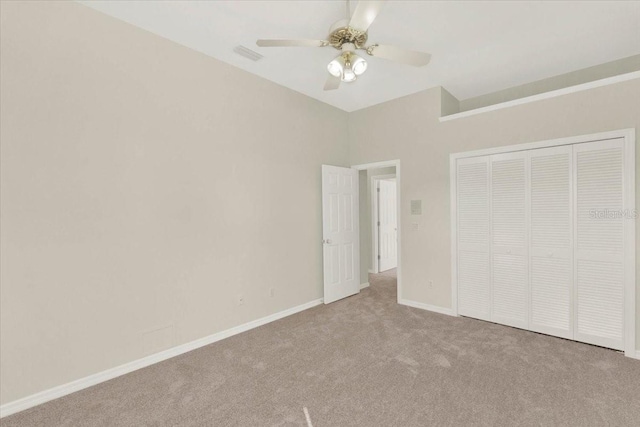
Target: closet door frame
{"x": 629, "y": 135}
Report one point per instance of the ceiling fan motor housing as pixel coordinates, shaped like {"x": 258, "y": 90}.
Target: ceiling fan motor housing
{"x": 341, "y": 33}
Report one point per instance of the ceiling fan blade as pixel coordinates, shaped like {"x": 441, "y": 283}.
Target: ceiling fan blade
{"x": 332, "y": 83}
{"x": 295, "y": 43}
{"x": 404, "y": 56}
{"x": 365, "y": 13}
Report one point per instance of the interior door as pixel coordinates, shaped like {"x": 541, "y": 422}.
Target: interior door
{"x": 340, "y": 231}
{"x": 551, "y": 242}
{"x": 387, "y": 225}
{"x": 599, "y": 233}
{"x": 509, "y": 236}
{"x": 473, "y": 234}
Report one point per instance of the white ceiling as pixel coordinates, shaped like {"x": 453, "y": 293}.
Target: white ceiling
{"x": 477, "y": 47}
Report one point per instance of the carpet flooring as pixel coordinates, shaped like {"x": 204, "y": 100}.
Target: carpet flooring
{"x": 366, "y": 361}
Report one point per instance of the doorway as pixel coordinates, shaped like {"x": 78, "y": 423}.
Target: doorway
{"x": 380, "y": 221}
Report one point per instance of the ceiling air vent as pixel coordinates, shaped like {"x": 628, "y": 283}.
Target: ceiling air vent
{"x": 247, "y": 53}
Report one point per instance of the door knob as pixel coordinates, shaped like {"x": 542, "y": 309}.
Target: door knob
{"x": 327, "y": 241}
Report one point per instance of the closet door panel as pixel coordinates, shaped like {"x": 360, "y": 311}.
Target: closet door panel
{"x": 599, "y": 230}
{"x": 551, "y": 247}
{"x": 509, "y": 266}
{"x": 473, "y": 233}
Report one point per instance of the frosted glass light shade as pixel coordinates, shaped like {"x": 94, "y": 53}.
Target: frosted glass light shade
{"x": 347, "y": 66}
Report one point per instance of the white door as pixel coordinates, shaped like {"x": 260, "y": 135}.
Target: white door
{"x": 509, "y": 247}
{"x": 387, "y": 225}
{"x": 473, "y": 235}
{"x": 599, "y": 233}
{"x": 340, "y": 231}
{"x": 551, "y": 242}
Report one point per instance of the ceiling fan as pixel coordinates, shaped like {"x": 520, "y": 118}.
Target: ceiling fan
{"x": 349, "y": 35}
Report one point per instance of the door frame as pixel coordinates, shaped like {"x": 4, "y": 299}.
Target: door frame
{"x": 629, "y": 136}
{"x": 374, "y": 217}
{"x": 385, "y": 164}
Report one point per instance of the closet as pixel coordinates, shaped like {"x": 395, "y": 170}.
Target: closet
{"x": 543, "y": 239}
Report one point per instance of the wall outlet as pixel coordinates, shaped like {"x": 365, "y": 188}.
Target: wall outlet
{"x": 240, "y": 299}
{"x": 272, "y": 292}
{"x": 415, "y": 225}
{"x": 430, "y": 284}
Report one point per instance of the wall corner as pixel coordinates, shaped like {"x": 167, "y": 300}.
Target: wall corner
{"x": 449, "y": 104}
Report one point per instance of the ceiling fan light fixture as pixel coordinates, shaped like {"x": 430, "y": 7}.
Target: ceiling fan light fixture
{"x": 335, "y": 68}
{"x": 347, "y": 66}
{"x": 358, "y": 65}
{"x": 349, "y": 35}
{"x": 348, "y": 76}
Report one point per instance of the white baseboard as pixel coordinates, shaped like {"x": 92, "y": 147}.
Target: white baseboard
{"x": 372, "y": 271}
{"x": 364, "y": 285}
{"x": 82, "y": 383}
{"x": 423, "y": 306}
{"x": 637, "y": 356}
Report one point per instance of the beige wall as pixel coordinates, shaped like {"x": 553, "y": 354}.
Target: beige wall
{"x": 144, "y": 186}
{"x": 408, "y": 129}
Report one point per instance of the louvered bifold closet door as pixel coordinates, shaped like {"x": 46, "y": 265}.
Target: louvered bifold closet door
{"x": 599, "y": 234}
{"x": 509, "y": 248}
{"x": 551, "y": 246}
{"x": 473, "y": 237}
